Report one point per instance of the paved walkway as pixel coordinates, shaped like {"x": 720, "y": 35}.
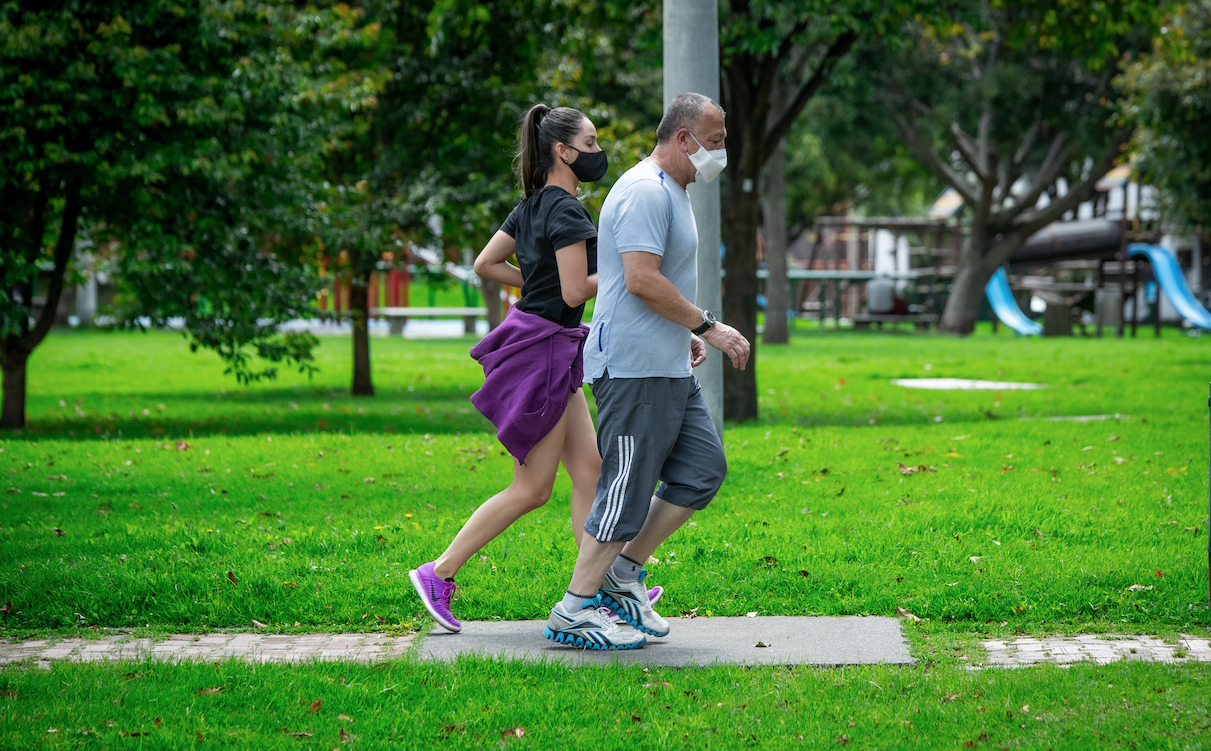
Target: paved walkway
{"x": 209, "y": 647}
{"x": 1102, "y": 649}
{"x": 768, "y": 640}
{"x": 702, "y": 641}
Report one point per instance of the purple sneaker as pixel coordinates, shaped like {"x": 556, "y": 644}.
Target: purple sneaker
{"x": 654, "y": 595}
{"x": 436, "y": 594}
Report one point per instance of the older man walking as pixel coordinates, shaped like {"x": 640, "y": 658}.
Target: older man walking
{"x": 653, "y": 424}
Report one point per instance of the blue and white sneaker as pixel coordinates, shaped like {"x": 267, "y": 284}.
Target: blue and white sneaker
{"x": 629, "y": 601}
{"x": 591, "y": 628}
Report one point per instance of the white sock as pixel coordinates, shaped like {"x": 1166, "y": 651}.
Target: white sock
{"x": 625, "y": 569}
{"x": 573, "y": 603}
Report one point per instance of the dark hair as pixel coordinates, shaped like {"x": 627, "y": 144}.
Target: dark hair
{"x": 684, "y": 112}
{"x": 541, "y": 129}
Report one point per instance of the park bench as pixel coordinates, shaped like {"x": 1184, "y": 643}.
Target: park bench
{"x": 398, "y": 316}
{"x": 920, "y": 321}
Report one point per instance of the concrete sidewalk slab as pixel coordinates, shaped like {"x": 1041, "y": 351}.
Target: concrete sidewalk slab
{"x": 788, "y": 640}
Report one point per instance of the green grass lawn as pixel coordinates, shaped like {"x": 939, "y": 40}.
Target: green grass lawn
{"x": 144, "y": 477}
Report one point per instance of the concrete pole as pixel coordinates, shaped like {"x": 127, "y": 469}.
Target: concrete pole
{"x": 691, "y": 63}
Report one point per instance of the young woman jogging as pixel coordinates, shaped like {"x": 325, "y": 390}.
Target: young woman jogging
{"x": 532, "y": 362}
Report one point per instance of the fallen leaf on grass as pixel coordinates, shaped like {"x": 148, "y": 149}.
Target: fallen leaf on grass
{"x": 59, "y": 532}
{"x": 198, "y": 733}
{"x": 752, "y": 614}
{"x": 1139, "y": 588}
{"x": 769, "y": 560}
{"x": 210, "y": 691}
{"x": 636, "y": 718}
{"x": 158, "y": 721}
{"x": 10, "y": 694}
{"x": 131, "y": 735}
{"x": 902, "y": 613}
{"x": 514, "y": 732}
{"x": 292, "y": 585}
{"x": 805, "y": 573}
{"x": 841, "y": 739}
{"x": 231, "y": 578}
{"x": 379, "y": 618}
{"x": 1160, "y": 574}
{"x": 183, "y": 446}
{"x": 7, "y": 607}
{"x": 315, "y": 706}
{"x": 344, "y": 717}
{"x": 951, "y": 697}
{"x": 689, "y": 613}
{"x": 914, "y": 470}
{"x": 658, "y": 684}
{"x": 345, "y": 736}
{"x": 258, "y": 624}
{"x": 976, "y": 558}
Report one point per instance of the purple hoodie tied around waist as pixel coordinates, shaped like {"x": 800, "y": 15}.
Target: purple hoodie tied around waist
{"x": 531, "y": 367}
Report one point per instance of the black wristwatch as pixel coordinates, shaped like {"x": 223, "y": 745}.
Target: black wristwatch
{"x": 708, "y": 321}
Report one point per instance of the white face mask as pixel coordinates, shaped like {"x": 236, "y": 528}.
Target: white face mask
{"x": 708, "y": 163}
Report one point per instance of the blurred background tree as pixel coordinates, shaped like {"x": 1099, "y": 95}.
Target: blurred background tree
{"x": 176, "y": 137}
{"x": 1007, "y": 104}
{"x": 1168, "y": 100}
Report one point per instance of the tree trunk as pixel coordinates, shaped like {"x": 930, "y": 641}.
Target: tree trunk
{"x": 967, "y": 294}
{"x": 359, "y": 313}
{"x": 15, "y": 349}
{"x": 12, "y": 362}
{"x": 741, "y": 211}
{"x": 491, "y": 293}
{"x": 777, "y": 286}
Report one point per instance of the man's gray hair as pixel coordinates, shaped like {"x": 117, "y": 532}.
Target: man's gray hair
{"x": 684, "y": 112}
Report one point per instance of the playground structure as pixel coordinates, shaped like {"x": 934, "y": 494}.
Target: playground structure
{"x": 1109, "y": 264}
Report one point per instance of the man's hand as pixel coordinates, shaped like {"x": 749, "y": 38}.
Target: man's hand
{"x": 730, "y": 342}
{"x": 697, "y": 351}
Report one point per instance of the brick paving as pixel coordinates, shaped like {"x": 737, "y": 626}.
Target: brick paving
{"x": 251, "y": 647}
{"x": 255, "y": 647}
{"x": 1100, "y": 649}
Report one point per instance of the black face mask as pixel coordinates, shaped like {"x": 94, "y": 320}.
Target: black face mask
{"x": 590, "y": 166}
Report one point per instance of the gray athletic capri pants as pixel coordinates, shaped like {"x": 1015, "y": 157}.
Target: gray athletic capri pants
{"x": 649, "y": 430}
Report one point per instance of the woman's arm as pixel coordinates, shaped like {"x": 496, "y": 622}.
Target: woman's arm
{"x": 575, "y": 281}
{"x": 493, "y": 261}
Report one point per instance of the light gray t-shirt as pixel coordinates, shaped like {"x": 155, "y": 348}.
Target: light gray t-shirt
{"x": 645, "y": 212}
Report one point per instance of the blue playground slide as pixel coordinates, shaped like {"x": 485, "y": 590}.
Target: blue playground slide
{"x": 1168, "y": 273}
{"x": 1000, "y": 297}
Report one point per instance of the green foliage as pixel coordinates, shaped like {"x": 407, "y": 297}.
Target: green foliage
{"x": 1169, "y": 102}
{"x": 192, "y": 133}
{"x": 843, "y": 153}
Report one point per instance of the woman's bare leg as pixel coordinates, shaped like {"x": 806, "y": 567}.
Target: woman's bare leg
{"x": 581, "y": 460}
{"x": 531, "y": 488}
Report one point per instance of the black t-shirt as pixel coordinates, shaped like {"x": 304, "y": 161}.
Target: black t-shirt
{"x": 549, "y": 220}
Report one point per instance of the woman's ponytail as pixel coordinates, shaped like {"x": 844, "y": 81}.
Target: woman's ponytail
{"x": 530, "y": 162}
{"x": 541, "y": 128}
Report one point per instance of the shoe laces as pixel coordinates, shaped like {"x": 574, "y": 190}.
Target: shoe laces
{"x": 447, "y": 591}
{"x": 606, "y": 618}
